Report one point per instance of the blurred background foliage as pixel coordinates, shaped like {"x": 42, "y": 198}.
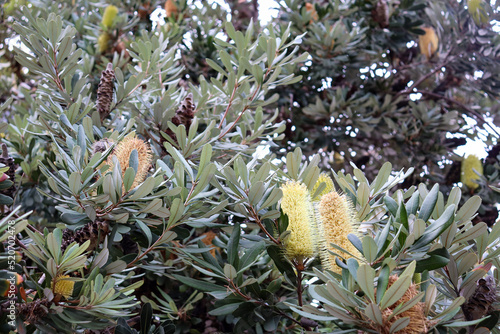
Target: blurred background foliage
{"x": 147, "y": 147}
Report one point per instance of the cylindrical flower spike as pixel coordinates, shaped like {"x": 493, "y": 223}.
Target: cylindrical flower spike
{"x": 109, "y": 16}
{"x": 429, "y": 42}
{"x": 418, "y": 321}
{"x": 296, "y": 204}
{"x": 469, "y": 176}
{"x": 63, "y": 286}
{"x": 336, "y": 223}
{"x": 122, "y": 152}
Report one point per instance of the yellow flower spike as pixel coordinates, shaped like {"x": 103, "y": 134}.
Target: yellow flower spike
{"x": 468, "y": 176}
{"x": 323, "y": 177}
{"x": 429, "y": 42}
{"x": 296, "y": 204}
{"x": 103, "y": 42}
{"x": 122, "y": 152}
{"x": 336, "y": 223}
{"x": 109, "y": 16}
{"x": 63, "y": 286}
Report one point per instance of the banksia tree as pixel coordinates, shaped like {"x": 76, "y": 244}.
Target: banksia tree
{"x": 171, "y": 167}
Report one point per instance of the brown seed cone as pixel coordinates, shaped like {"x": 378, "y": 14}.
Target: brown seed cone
{"x": 8, "y": 161}
{"x": 105, "y": 91}
{"x": 479, "y": 304}
{"x": 34, "y": 311}
{"x": 183, "y": 115}
{"x": 381, "y": 13}
{"x": 93, "y": 231}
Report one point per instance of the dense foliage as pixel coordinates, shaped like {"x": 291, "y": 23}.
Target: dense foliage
{"x": 175, "y": 167}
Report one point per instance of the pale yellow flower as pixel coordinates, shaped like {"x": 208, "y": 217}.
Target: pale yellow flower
{"x": 296, "y": 204}
{"x": 468, "y": 176}
{"x": 63, "y": 286}
{"x": 336, "y": 223}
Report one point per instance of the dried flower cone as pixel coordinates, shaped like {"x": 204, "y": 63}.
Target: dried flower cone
{"x": 101, "y": 145}
{"x": 93, "y": 231}
{"x": 470, "y": 166}
{"x": 63, "y": 286}
{"x": 418, "y": 322}
{"x": 34, "y": 311}
{"x": 336, "y": 223}
{"x": 381, "y": 13}
{"x": 479, "y": 304}
{"x": 105, "y": 91}
{"x": 122, "y": 152}
{"x": 296, "y": 204}
{"x": 183, "y": 115}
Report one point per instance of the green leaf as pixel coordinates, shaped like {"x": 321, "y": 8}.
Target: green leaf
{"x": 433, "y": 231}
{"x": 395, "y": 291}
{"x": 75, "y": 182}
{"x": 355, "y": 242}
{"x": 128, "y": 178}
{"x": 146, "y": 317}
{"x": 5, "y": 200}
{"x": 429, "y": 203}
{"x": 199, "y": 284}
{"x": 438, "y": 258}
{"x": 373, "y": 312}
{"x": 382, "y": 177}
{"x": 369, "y": 249}
{"x": 392, "y": 205}
{"x": 467, "y": 211}
{"x": 176, "y": 211}
{"x": 145, "y": 230}
{"x": 382, "y": 282}
{"x": 144, "y": 189}
{"x": 133, "y": 160}
{"x": 233, "y": 245}
{"x": 229, "y": 271}
{"x": 451, "y": 308}
{"x": 365, "y": 279}
{"x": 225, "y": 310}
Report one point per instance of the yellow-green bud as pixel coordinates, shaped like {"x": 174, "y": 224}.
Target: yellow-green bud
{"x": 63, "y": 286}
{"x": 109, "y": 16}
{"x": 470, "y": 166}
